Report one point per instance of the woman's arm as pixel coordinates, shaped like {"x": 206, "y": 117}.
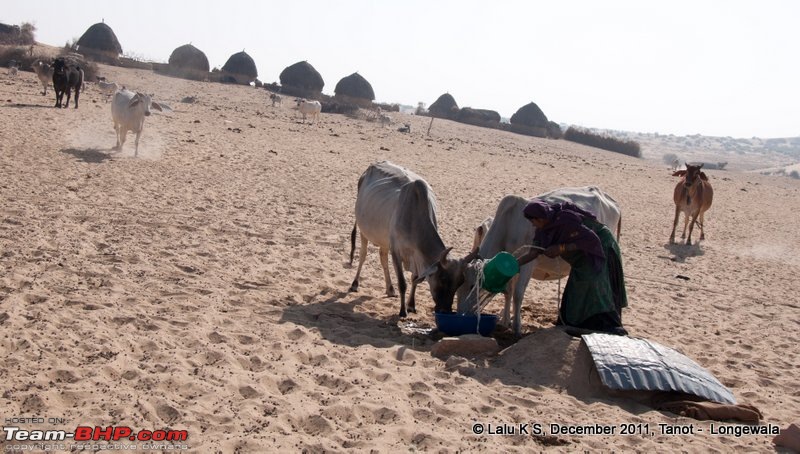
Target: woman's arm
{"x": 528, "y": 257}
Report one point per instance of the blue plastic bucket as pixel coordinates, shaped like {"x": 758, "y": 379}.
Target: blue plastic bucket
{"x": 498, "y": 271}
{"x": 453, "y": 324}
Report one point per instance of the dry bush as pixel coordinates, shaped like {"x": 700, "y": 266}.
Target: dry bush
{"x": 387, "y": 107}
{"x": 19, "y": 35}
{"x": 20, "y": 55}
{"x": 626, "y": 147}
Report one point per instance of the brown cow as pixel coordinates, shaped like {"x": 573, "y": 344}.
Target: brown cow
{"x": 692, "y": 196}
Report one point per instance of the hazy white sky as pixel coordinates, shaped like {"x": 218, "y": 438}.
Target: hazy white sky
{"x": 725, "y": 68}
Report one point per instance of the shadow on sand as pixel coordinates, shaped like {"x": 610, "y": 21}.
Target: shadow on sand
{"x": 546, "y": 358}
{"x": 680, "y": 252}
{"x": 90, "y": 155}
{"x": 20, "y": 106}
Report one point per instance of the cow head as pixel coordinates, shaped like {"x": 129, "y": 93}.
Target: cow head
{"x": 445, "y": 276}
{"x": 145, "y": 101}
{"x": 691, "y": 175}
{"x": 59, "y": 65}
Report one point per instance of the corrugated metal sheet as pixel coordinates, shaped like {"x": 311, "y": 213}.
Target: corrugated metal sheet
{"x": 638, "y": 364}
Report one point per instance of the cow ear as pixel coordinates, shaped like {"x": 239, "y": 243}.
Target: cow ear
{"x": 703, "y": 176}
{"x": 679, "y": 173}
{"x": 156, "y": 106}
{"x": 134, "y": 101}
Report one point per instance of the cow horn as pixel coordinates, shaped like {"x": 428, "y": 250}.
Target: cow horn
{"x": 443, "y": 256}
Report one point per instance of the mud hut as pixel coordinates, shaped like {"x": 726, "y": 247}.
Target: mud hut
{"x": 188, "y": 57}
{"x": 530, "y": 120}
{"x": 240, "y": 69}
{"x": 444, "y": 107}
{"x": 301, "y": 79}
{"x": 100, "y": 43}
{"x": 354, "y": 89}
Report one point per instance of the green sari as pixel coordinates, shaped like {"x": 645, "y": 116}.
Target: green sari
{"x": 594, "y": 300}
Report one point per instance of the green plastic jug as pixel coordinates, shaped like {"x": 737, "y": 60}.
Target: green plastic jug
{"x": 498, "y": 271}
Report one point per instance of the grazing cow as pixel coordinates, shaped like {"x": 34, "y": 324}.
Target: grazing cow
{"x": 510, "y": 231}
{"x": 66, "y": 76}
{"x": 312, "y": 108}
{"x": 405, "y": 128}
{"x": 128, "y": 110}
{"x": 276, "y": 99}
{"x": 45, "y": 74}
{"x": 107, "y": 88}
{"x": 396, "y": 210}
{"x": 693, "y": 196}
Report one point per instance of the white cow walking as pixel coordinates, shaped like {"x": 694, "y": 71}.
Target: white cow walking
{"x": 309, "y": 108}
{"x": 510, "y": 231}
{"x": 128, "y": 111}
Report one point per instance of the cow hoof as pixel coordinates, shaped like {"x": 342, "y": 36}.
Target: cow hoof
{"x": 403, "y": 314}
{"x": 391, "y": 292}
{"x": 354, "y": 286}
{"x": 412, "y": 309}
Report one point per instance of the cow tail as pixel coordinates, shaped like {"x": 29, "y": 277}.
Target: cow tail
{"x": 619, "y": 227}
{"x": 353, "y": 243}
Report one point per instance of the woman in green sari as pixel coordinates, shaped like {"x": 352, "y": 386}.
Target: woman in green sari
{"x": 595, "y": 292}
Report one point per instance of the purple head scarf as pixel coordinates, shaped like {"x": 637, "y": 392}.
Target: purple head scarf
{"x": 565, "y": 225}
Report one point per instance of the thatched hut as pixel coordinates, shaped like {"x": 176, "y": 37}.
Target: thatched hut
{"x": 478, "y": 117}
{"x": 187, "y": 62}
{"x": 301, "y": 79}
{"x": 240, "y": 68}
{"x": 354, "y": 89}
{"x": 189, "y": 57}
{"x": 530, "y": 120}
{"x": 100, "y": 43}
{"x": 444, "y": 107}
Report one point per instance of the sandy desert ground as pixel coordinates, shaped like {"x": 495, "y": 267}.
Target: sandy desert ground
{"x": 203, "y": 285}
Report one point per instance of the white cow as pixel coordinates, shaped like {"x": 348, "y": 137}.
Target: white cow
{"x": 107, "y": 88}
{"x": 276, "y": 99}
{"x": 396, "y": 210}
{"x": 309, "y": 108}
{"x": 510, "y": 231}
{"x": 128, "y": 111}
{"x": 45, "y": 74}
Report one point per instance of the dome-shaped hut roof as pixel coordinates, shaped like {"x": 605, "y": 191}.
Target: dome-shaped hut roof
{"x": 444, "y": 106}
{"x": 302, "y": 75}
{"x": 354, "y": 86}
{"x": 189, "y": 57}
{"x": 100, "y": 37}
{"x": 530, "y": 115}
{"x": 241, "y": 64}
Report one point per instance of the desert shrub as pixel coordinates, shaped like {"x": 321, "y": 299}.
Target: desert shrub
{"x": 20, "y": 55}
{"x": 669, "y": 158}
{"x": 333, "y": 105}
{"x": 387, "y": 107}
{"x": 20, "y": 35}
{"x": 626, "y": 147}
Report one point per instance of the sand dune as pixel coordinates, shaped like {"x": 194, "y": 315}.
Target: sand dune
{"x": 202, "y": 286}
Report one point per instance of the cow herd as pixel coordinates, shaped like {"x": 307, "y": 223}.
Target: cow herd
{"x": 395, "y": 209}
